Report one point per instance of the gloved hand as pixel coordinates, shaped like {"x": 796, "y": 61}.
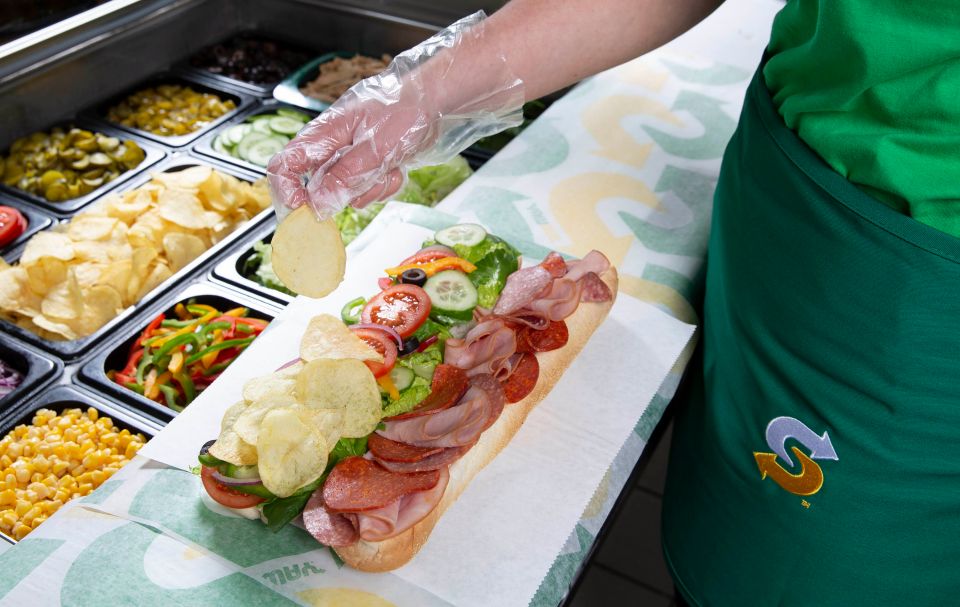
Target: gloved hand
{"x": 431, "y": 102}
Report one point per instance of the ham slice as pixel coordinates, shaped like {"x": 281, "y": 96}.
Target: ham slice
{"x": 458, "y": 426}
{"x": 559, "y": 302}
{"x": 594, "y": 261}
{"x": 405, "y": 512}
{"x": 521, "y": 288}
{"x": 485, "y": 348}
{"x": 440, "y": 459}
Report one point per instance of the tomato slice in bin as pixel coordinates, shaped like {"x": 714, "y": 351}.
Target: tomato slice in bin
{"x": 12, "y": 225}
{"x": 404, "y": 307}
{"x": 224, "y": 495}
{"x": 382, "y": 343}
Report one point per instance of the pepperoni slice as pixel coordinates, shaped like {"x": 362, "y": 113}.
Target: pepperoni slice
{"x": 443, "y": 457}
{"x": 523, "y": 379}
{"x": 328, "y": 528}
{"x": 357, "y": 484}
{"x": 448, "y": 385}
{"x": 386, "y": 450}
{"x": 554, "y": 264}
{"x": 554, "y": 336}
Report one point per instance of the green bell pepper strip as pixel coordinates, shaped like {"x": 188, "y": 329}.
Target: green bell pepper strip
{"x": 177, "y": 324}
{"x": 142, "y": 366}
{"x": 214, "y": 369}
{"x": 230, "y": 343}
{"x": 350, "y": 313}
{"x": 170, "y": 395}
{"x": 242, "y": 328}
{"x": 179, "y": 340}
{"x": 189, "y": 390}
{"x": 213, "y": 326}
{"x": 138, "y": 388}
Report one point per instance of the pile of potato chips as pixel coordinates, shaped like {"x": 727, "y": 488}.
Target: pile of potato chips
{"x": 74, "y": 278}
{"x": 290, "y": 420}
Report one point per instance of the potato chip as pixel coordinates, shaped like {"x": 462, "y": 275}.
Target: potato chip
{"x": 229, "y": 446}
{"x": 270, "y": 387}
{"x": 84, "y": 227}
{"x": 47, "y": 244}
{"x": 327, "y": 337}
{"x": 181, "y": 249}
{"x": 64, "y": 301}
{"x": 117, "y": 275}
{"x": 345, "y": 384}
{"x": 183, "y": 208}
{"x": 16, "y": 294}
{"x": 158, "y": 274}
{"x": 328, "y": 422}
{"x": 308, "y": 254}
{"x": 53, "y": 328}
{"x": 192, "y": 177}
{"x": 88, "y": 273}
{"x": 290, "y": 453}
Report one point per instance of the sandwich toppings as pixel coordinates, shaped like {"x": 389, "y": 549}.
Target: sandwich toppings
{"x": 451, "y": 338}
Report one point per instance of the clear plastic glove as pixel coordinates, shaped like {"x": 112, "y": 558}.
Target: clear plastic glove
{"x": 431, "y": 102}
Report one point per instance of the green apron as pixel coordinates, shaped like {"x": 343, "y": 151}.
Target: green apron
{"x": 818, "y": 460}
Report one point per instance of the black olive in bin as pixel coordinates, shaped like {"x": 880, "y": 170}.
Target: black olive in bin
{"x": 115, "y": 357}
{"x": 61, "y": 398}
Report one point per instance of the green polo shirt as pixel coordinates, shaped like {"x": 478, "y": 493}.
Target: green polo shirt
{"x": 873, "y": 86}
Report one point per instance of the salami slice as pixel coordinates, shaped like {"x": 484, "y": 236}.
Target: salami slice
{"x": 328, "y": 528}
{"x": 594, "y": 289}
{"x": 523, "y": 379}
{"x": 554, "y": 264}
{"x": 448, "y": 385}
{"x": 386, "y": 450}
{"x": 357, "y": 484}
{"x": 554, "y": 336}
{"x": 443, "y": 457}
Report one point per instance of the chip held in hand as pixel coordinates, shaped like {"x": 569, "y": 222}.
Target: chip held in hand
{"x": 308, "y": 254}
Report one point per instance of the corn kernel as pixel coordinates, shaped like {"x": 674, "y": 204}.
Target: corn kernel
{"x": 20, "y": 531}
{"x": 8, "y": 498}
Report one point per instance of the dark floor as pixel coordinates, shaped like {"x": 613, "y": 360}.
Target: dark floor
{"x": 628, "y": 567}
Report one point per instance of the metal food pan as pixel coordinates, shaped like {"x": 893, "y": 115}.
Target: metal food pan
{"x": 114, "y": 356}
{"x": 260, "y": 90}
{"x": 70, "y": 350}
{"x": 205, "y": 144}
{"x": 229, "y": 269}
{"x": 99, "y": 112}
{"x": 36, "y": 369}
{"x": 74, "y": 397}
{"x": 288, "y": 91}
{"x": 153, "y": 155}
{"x": 36, "y": 221}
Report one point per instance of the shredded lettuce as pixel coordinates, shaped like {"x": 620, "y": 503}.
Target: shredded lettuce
{"x": 429, "y": 185}
{"x": 409, "y": 398}
{"x": 351, "y": 221}
{"x": 259, "y": 268}
{"x": 429, "y": 328}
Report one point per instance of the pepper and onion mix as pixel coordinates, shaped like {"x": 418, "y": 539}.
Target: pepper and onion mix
{"x": 55, "y": 458}
{"x": 169, "y": 110}
{"x": 176, "y": 358}
{"x": 10, "y": 379}
{"x": 67, "y": 163}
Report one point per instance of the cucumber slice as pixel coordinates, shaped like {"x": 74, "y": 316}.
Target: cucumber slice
{"x": 262, "y": 126}
{"x": 402, "y": 377}
{"x": 424, "y": 370}
{"x": 293, "y": 114}
{"x": 286, "y": 125}
{"x": 263, "y": 150}
{"x": 234, "y": 471}
{"x": 219, "y": 146}
{"x": 451, "y": 294}
{"x": 243, "y": 148}
{"x": 234, "y": 134}
{"x": 466, "y": 234}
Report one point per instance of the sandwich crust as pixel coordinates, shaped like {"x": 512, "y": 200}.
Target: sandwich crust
{"x": 394, "y": 552}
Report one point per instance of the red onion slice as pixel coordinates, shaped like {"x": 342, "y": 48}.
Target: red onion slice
{"x": 289, "y": 364}
{"x": 427, "y": 343}
{"x": 234, "y": 482}
{"x": 388, "y": 330}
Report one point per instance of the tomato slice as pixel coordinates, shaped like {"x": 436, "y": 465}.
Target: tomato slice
{"x": 429, "y": 254}
{"x": 382, "y": 343}
{"x": 12, "y": 225}
{"x": 226, "y": 496}
{"x": 403, "y": 307}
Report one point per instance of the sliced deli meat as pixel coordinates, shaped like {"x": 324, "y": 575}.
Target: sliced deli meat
{"x": 522, "y": 288}
{"x": 552, "y": 337}
{"x": 593, "y": 288}
{"x": 523, "y": 379}
{"x": 386, "y": 450}
{"x": 555, "y": 264}
{"x": 441, "y": 459}
{"x": 594, "y": 261}
{"x": 457, "y": 426}
{"x": 484, "y": 349}
{"x": 407, "y": 511}
{"x": 559, "y": 302}
{"x": 328, "y": 528}
{"x": 356, "y": 484}
{"x": 448, "y": 385}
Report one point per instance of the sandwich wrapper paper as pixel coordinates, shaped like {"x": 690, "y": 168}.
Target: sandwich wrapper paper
{"x": 498, "y": 540}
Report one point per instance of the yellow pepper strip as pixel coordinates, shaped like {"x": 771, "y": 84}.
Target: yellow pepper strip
{"x": 387, "y": 384}
{"x": 432, "y": 267}
{"x": 236, "y": 312}
{"x": 205, "y": 318}
{"x": 153, "y": 391}
{"x": 176, "y": 362}
{"x": 150, "y": 384}
{"x": 208, "y": 359}
{"x": 181, "y": 311}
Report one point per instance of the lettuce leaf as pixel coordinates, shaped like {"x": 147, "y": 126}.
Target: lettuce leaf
{"x": 429, "y": 185}
{"x": 409, "y": 398}
{"x": 259, "y": 268}
{"x": 351, "y": 221}
{"x": 491, "y": 275}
